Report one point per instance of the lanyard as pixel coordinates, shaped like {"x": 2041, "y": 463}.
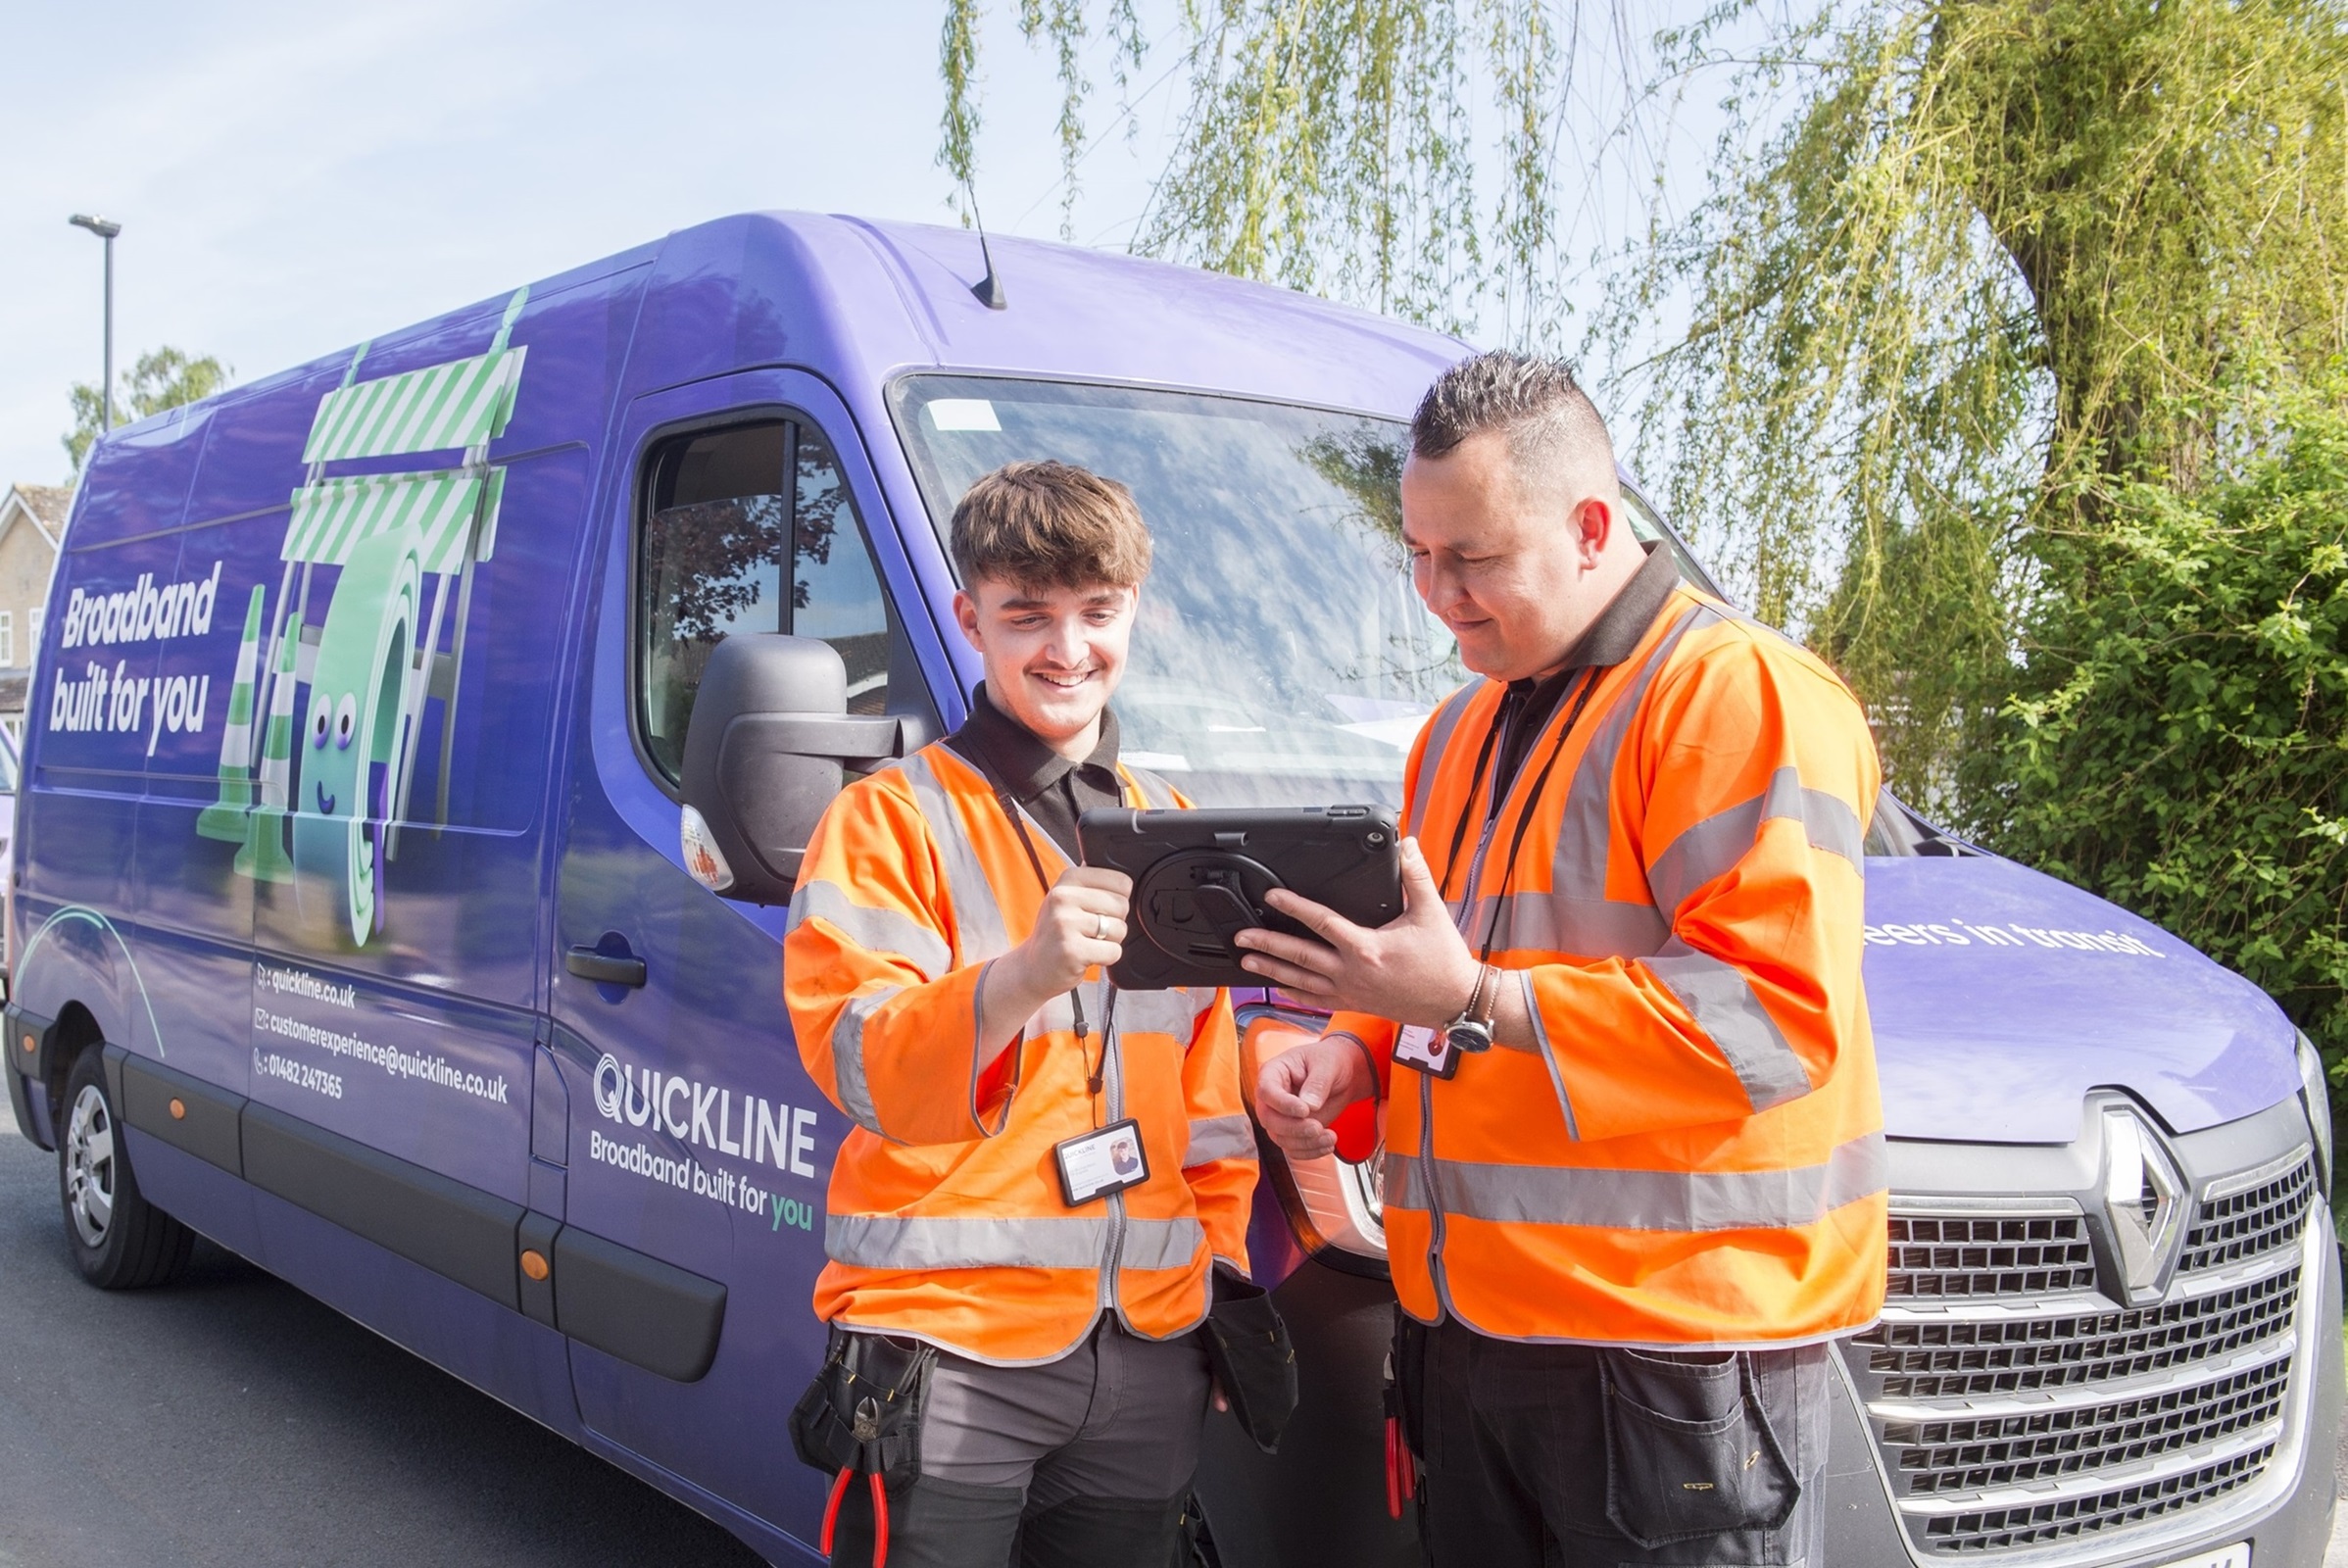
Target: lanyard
{"x": 1516, "y": 839}
{"x": 1034, "y": 860}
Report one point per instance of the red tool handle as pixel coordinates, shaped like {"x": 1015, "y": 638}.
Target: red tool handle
{"x": 831, "y": 1509}
{"x": 1393, "y": 1483}
{"x": 880, "y": 1514}
{"x": 1402, "y": 1483}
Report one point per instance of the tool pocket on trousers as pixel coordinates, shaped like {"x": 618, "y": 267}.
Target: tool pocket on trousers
{"x": 862, "y": 1411}
{"x": 1690, "y": 1450}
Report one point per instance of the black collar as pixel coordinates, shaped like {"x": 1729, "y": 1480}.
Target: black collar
{"x": 1614, "y": 636}
{"x": 1014, "y": 760}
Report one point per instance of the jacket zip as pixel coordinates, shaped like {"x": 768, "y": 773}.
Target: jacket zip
{"x": 1467, "y": 915}
{"x": 1112, "y": 1067}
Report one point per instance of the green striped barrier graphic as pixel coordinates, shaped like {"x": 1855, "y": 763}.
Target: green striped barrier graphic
{"x": 398, "y": 542}
{"x": 224, "y": 819}
{"x": 263, "y": 856}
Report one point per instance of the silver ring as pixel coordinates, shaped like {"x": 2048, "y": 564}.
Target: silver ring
{"x": 1099, "y": 927}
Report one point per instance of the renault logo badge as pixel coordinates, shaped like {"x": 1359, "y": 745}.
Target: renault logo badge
{"x": 2144, "y": 1199}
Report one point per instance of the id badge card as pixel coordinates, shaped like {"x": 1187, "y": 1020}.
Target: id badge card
{"x": 1424, "y": 1049}
{"x": 1098, "y": 1163}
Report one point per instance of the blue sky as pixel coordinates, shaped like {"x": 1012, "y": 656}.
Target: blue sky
{"x": 292, "y": 178}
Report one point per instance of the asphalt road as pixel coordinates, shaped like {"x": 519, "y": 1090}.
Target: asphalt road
{"x": 230, "y": 1420}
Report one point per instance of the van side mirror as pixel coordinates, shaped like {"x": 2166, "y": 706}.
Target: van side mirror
{"x": 766, "y": 750}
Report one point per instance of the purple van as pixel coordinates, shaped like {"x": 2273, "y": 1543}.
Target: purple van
{"x": 353, "y": 928}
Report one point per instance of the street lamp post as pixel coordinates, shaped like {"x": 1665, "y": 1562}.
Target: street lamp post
{"x": 105, "y": 230}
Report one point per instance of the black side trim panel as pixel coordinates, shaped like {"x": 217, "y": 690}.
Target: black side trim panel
{"x": 649, "y": 1314}
{"x": 34, "y": 1063}
{"x": 538, "y": 1233}
{"x": 207, "y": 1125}
{"x": 622, "y": 1302}
{"x": 450, "y": 1228}
{"x": 28, "y": 1068}
{"x": 19, "y": 1102}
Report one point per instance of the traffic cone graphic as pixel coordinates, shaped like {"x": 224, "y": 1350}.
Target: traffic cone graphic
{"x": 224, "y": 819}
{"x": 263, "y": 856}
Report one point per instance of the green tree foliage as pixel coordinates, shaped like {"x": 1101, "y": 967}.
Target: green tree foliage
{"x": 2005, "y": 360}
{"x": 1997, "y": 260}
{"x": 1954, "y": 261}
{"x": 161, "y": 379}
{"x": 2179, "y": 740}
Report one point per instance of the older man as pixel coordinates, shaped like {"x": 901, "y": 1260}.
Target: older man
{"x": 1634, "y": 1178}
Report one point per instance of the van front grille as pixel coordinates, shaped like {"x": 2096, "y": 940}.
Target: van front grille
{"x": 2009, "y": 1450}
{"x": 1948, "y": 1258}
{"x": 2016, "y": 1407}
{"x": 2249, "y": 1224}
{"x": 2040, "y": 1524}
{"x": 1949, "y": 1359}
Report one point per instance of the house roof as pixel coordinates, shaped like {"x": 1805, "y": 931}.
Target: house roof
{"x": 46, "y": 505}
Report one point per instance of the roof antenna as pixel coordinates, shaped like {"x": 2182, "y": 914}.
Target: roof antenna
{"x": 988, "y": 289}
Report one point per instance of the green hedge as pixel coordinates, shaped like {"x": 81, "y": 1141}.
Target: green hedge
{"x": 2178, "y": 739}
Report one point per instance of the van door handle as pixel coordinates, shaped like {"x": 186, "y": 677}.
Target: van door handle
{"x": 604, "y": 968}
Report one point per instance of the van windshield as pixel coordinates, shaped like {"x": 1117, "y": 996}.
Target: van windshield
{"x": 1281, "y": 656}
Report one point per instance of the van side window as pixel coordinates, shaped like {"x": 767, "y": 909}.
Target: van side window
{"x": 748, "y": 528}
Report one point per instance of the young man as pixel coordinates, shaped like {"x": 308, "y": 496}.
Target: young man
{"x": 944, "y": 972}
{"x": 1636, "y": 1175}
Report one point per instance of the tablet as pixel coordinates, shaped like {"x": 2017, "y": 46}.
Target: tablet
{"x": 1199, "y": 878}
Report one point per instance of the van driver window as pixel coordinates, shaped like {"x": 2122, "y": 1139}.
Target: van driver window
{"x": 731, "y": 515}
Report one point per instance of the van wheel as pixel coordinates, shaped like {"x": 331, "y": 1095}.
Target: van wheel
{"x": 121, "y": 1242}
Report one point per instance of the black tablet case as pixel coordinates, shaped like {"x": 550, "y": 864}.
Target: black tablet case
{"x": 1200, "y": 877}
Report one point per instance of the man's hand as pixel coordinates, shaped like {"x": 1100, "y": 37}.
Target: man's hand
{"x": 1302, "y": 1091}
{"x": 1416, "y": 968}
{"x": 1082, "y": 924}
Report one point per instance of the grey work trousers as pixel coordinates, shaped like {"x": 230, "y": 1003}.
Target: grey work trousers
{"x": 1083, "y": 1461}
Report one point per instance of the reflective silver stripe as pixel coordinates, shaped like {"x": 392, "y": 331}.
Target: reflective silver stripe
{"x": 1727, "y": 1009}
{"x": 1055, "y": 1014}
{"x": 1219, "y": 1138}
{"x": 1163, "y": 1012}
{"x": 978, "y": 1052}
{"x": 847, "y": 1056}
{"x": 1161, "y": 1242}
{"x": 1156, "y": 794}
{"x": 1712, "y": 848}
{"x": 924, "y": 1241}
{"x": 1438, "y": 735}
{"x": 1541, "y": 1047}
{"x": 1548, "y": 923}
{"x": 1676, "y": 1202}
{"x": 977, "y": 918}
{"x": 876, "y": 930}
{"x": 1585, "y": 829}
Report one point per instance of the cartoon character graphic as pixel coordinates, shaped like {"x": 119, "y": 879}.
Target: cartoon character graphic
{"x": 356, "y": 737}
{"x": 403, "y": 545}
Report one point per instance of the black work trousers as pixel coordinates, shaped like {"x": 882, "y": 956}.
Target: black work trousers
{"x": 1573, "y": 1456}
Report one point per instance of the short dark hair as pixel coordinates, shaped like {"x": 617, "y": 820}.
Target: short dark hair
{"x": 1049, "y": 525}
{"x": 1550, "y": 423}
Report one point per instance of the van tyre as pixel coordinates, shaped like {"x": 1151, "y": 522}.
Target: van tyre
{"x": 121, "y": 1242}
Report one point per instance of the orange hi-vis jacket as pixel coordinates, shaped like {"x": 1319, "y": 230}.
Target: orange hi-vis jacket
{"x": 946, "y": 1220}
{"x": 1693, "y": 1154}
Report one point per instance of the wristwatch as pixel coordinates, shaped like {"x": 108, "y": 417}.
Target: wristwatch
{"x": 1471, "y": 1031}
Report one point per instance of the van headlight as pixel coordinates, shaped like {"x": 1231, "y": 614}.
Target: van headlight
{"x": 2314, "y": 1091}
